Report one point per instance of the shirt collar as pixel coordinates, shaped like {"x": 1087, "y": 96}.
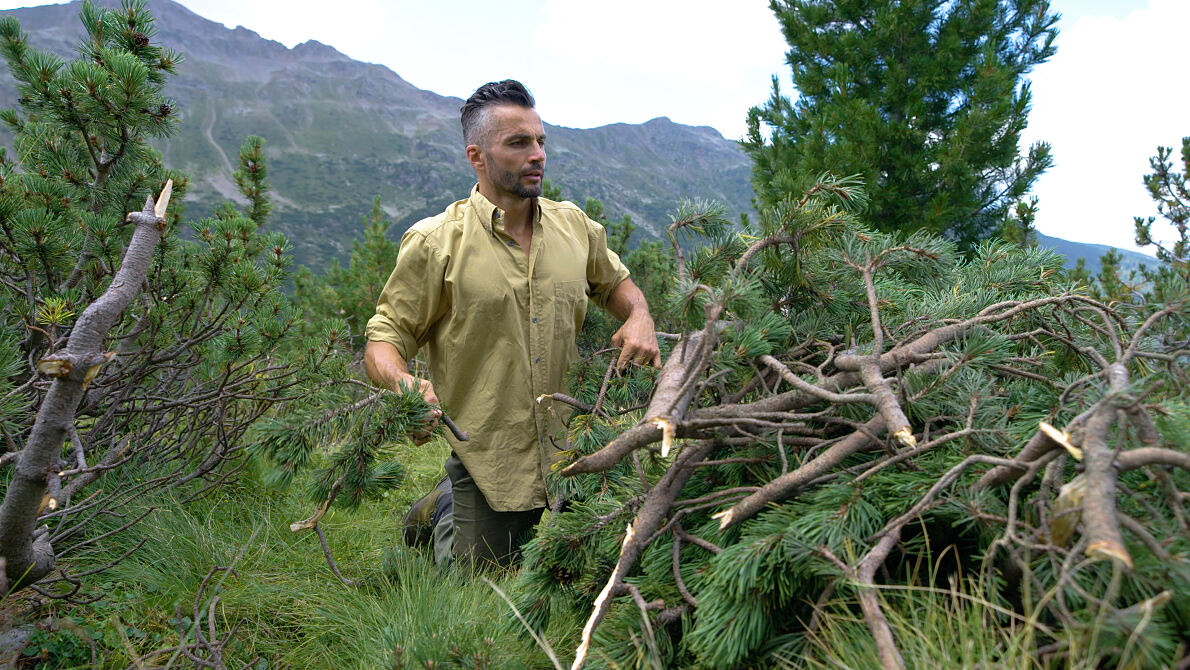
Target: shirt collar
{"x": 491, "y": 216}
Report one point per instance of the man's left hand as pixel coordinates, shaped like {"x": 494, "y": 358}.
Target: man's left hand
{"x": 637, "y": 340}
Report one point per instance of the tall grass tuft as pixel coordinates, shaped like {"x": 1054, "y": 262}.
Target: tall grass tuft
{"x": 291, "y": 611}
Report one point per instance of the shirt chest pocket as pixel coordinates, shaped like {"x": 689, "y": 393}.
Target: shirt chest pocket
{"x": 570, "y": 307}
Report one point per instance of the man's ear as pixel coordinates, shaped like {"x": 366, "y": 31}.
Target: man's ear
{"x": 475, "y": 156}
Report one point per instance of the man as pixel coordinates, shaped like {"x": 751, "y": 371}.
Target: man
{"x": 494, "y": 289}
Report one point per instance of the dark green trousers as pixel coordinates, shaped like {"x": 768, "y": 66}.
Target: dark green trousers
{"x": 482, "y": 537}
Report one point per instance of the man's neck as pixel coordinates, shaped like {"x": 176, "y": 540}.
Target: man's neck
{"x": 518, "y": 211}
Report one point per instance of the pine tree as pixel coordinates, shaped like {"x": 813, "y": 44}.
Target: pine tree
{"x": 924, "y": 99}
{"x": 1171, "y": 191}
{"x": 135, "y": 358}
{"x": 350, "y": 293}
{"x": 845, "y": 404}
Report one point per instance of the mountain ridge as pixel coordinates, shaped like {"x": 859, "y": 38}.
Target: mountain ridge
{"x": 339, "y": 132}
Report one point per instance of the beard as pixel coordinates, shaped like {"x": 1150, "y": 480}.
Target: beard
{"x": 510, "y": 181}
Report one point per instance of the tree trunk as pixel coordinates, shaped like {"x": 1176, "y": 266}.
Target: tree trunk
{"x": 26, "y": 557}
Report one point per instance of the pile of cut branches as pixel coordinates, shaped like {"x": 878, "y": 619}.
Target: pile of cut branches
{"x": 843, "y": 405}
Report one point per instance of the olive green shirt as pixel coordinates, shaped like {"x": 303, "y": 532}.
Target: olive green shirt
{"x": 498, "y": 328}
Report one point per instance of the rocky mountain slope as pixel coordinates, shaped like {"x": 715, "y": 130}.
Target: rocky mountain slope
{"x": 340, "y": 132}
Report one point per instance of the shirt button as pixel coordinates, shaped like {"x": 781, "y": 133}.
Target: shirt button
{"x": 538, "y": 360}
{"x": 534, "y": 319}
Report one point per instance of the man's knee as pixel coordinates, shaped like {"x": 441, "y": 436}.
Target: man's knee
{"x": 484, "y": 537}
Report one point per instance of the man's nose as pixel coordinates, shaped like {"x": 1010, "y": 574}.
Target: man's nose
{"x": 538, "y": 156}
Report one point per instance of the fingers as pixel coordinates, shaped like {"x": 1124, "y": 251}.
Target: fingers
{"x": 423, "y": 386}
{"x": 427, "y": 392}
{"x": 639, "y": 355}
{"x": 426, "y": 431}
{"x": 625, "y": 356}
{"x": 638, "y": 344}
{"x": 423, "y": 433}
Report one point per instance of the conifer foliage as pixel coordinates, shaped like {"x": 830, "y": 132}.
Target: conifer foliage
{"x": 924, "y": 98}
{"x": 844, "y": 404}
{"x": 350, "y": 293}
{"x": 1170, "y": 190}
{"x": 135, "y": 357}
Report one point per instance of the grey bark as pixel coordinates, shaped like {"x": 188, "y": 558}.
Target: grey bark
{"x": 26, "y": 558}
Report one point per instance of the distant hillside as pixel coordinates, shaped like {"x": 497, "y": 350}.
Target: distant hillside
{"x": 340, "y": 132}
{"x": 1091, "y": 253}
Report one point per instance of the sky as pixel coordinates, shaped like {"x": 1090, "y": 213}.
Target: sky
{"x": 1114, "y": 91}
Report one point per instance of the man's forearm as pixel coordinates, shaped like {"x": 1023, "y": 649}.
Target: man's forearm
{"x": 627, "y": 300}
{"x": 636, "y": 338}
{"x": 384, "y": 365}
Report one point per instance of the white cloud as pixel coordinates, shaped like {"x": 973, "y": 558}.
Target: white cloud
{"x": 700, "y": 62}
{"x": 351, "y": 26}
{"x": 1115, "y": 91}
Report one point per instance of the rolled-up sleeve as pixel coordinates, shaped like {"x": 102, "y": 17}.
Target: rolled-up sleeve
{"x": 604, "y": 269}
{"x": 413, "y": 299}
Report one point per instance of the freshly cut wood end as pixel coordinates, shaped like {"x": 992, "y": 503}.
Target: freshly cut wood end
{"x": 1159, "y": 600}
{"x": 47, "y": 502}
{"x": 1067, "y": 511}
{"x": 667, "y": 433}
{"x": 541, "y": 397}
{"x": 93, "y": 371}
{"x": 580, "y": 654}
{"x": 1110, "y": 550}
{"x": 307, "y": 524}
{"x": 1062, "y": 437}
{"x": 725, "y": 518}
{"x": 904, "y": 437}
{"x": 163, "y": 199}
{"x": 54, "y": 367}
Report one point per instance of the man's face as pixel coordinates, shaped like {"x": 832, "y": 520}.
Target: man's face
{"x": 514, "y": 151}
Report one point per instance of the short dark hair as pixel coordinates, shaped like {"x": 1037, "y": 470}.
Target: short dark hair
{"x": 473, "y": 118}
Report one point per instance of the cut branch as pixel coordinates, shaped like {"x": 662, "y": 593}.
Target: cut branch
{"x": 27, "y": 561}
{"x": 789, "y": 484}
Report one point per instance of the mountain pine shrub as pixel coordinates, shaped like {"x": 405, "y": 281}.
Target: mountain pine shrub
{"x": 844, "y": 405}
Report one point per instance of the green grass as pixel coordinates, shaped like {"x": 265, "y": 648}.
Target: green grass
{"x": 403, "y": 612}
{"x": 957, "y": 627}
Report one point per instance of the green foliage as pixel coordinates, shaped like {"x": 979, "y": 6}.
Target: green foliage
{"x": 792, "y": 285}
{"x": 111, "y": 99}
{"x": 252, "y": 179}
{"x": 1171, "y": 191}
{"x": 347, "y": 446}
{"x": 284, "y": 607}
{"x": 1169, "y": 280}
{"x": 209, "y": 345}
{"x": 924, "y": 98}
{"x": 1018, "y": 226}
{"x": 350, "y": 293}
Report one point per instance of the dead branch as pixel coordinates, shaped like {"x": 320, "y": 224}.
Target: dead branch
{"x": 330, "y": 560}
{"x": 657, "y": 503}
{"x": 788, "y": 484}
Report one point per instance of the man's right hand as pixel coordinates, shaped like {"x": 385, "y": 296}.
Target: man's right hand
{"x": 387, "y": 368}
{"x": 426, "y": 389}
